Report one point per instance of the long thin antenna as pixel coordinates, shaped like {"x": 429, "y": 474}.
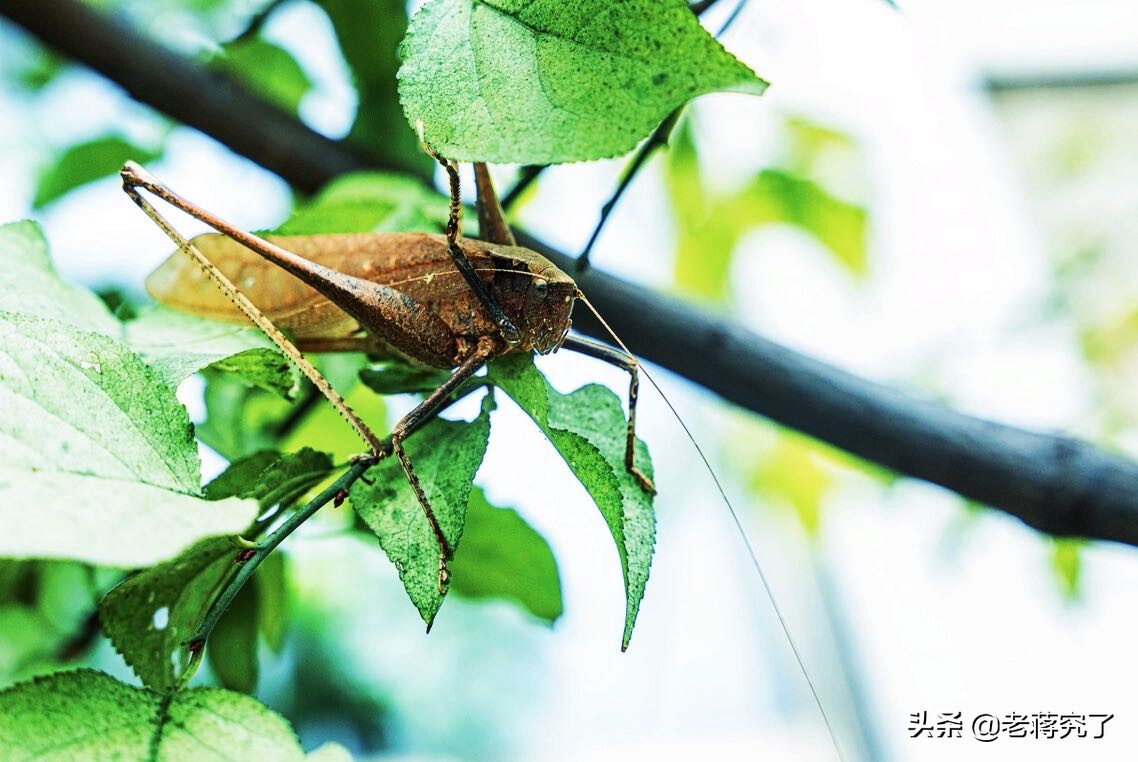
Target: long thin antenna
{"x": 738, "y": 526}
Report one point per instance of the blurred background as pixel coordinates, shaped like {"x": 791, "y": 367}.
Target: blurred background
{"x": 940, "y": 197}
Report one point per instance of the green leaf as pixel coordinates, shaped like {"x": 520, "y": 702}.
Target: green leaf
{"x": 369, "y": 32}
{"x": 232, "y": 651}
{"x": 272, "y": 586}
{"x": 501, "y": 556}
{"x": 588, "y": 428}
{"x": 151, "y": 615}
{"x": 446, "y": 456}
{"x": 31, "y": 286}
{"x": 1067, "y": 564}
{"x": 91, "y": 716}
{"x": 86, "y": 162}
{"x": 370, "y": 202}
{"x": 267, "y": 69}
{"x": 270, "y": 477}
{"x": 101, "y": 447}
{"x": 544, "y": 81}
{"x": 177, "y": 346}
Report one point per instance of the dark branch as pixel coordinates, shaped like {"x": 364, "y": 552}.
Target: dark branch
{"x": 1056, "y": 484}
{"x": 1066, "y": 80}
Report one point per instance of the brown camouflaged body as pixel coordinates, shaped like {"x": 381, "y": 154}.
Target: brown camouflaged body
{"x": 415, "y": 265}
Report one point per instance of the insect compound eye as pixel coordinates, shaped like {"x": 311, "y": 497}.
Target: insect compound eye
{"x": 538, "y": 288}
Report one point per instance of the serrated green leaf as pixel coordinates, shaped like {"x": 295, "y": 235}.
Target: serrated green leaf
{"x": 151, "y": 615}
{"x": 101, "y": 447}
{"x": 270, "y": 477}
{"x": 544, "y": 81}
{"x": 29, "y": 284}
{"x": 588, "y": 428}
{"x": 501, "y": 556}
{"x": 91, "y": 716}
{"x": 267, "y": 69}
{"x": 446, "y": 456}
{"x": 370, "y": 202}
{"x": 86, "y": 162}
{"x": 369, "y": 32}
{"x": 177, "y": 346}
{"x": 232, "y": 652}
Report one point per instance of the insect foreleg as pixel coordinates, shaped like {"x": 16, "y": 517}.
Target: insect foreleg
{"x": 509, "y": 331}
{"x": 615, "y": 357}
{"x": 435, "y": 401}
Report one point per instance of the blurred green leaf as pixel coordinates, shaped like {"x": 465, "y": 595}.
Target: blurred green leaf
{"x": 370, "y": 202}
{"x": 588, "y": 428}
{"x": 501, "y": 556}
{"x": 151, "y": 615}
{"x": 518, "y": 81}
{"x": 791, "y": 473}
{"x": 369, "y": 32}
{"x": 1067, "y": 565}
{"x": 232, "y": 651}
{"x": 710, "y": 227}
{"x": 446, "y": 456}
{"x": 91, "y": 716}
{"x": 272, "y": 591}
{"x": 267, "y": 69}
{"x": 85, "y": 162}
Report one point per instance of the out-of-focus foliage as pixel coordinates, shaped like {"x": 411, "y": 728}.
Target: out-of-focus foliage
{"x": 84, "y": 162}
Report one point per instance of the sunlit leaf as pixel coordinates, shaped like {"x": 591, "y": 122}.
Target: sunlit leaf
{"x": 501, "y": 556}
{"x": 102, "y": 448}
{"x": 369, "y": 202}
{"x": 588, "y": 428}
{"x": 1067, "y": 564}
{"x": 519, "y": 81}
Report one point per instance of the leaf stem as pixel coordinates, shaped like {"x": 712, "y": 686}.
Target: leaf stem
{"x": 251, "y": 558}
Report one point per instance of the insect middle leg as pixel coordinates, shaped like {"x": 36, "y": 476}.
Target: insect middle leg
{"x": 434, "y": 401}
{"x": 615, "y": 357}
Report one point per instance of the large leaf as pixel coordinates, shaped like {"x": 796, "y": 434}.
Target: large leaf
{"x": 545, "y": 81}
{"x": 151, "y": 615}
{"x": 446, "y": 456}
{"x": 501, "y": 556}
{"x": 588, "y": 428}
{"x": 91, "y": 716}
{"x": 29, "y": 284}
{"x": 85, "y": 162}
{"x": 101, "y": 447}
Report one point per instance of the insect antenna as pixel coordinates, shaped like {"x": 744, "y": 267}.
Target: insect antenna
{"x": 735, "y": 519}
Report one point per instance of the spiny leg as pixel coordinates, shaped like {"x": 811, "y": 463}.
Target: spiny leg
{"x": 134, "y": 177}
{"x": 509, "y": 331}
{"x": 434, "y": 401}
{"x": 615, "y": 357}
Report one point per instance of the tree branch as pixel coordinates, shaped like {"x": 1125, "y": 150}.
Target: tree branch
{"x": 1054, "y": 483}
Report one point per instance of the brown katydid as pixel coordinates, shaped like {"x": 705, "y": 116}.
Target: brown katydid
{"x": 444, "y": 302}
